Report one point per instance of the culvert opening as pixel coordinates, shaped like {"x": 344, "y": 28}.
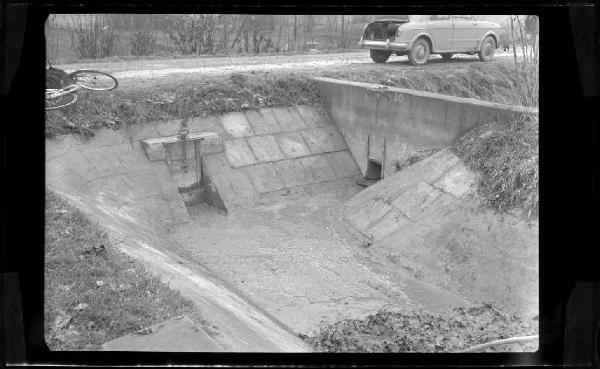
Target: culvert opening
{"x": 373, "y": 171}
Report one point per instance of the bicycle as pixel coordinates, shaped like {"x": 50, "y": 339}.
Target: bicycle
{"x": 84, "y": 79}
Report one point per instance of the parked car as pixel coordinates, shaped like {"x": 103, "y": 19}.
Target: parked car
{"x": 424, "y": 35}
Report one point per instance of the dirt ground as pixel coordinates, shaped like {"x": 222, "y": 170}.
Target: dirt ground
{"x": 298, "y": 260}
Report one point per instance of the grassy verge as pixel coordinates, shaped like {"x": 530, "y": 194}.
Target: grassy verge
{"x": 420, "y": 331}
{"x": 92, "y": 292}
{"x": 499, "y": 83}
{"x": 492, "y": 82}
{"x": 507, "y": 157}
{"x": 237, "y": 92}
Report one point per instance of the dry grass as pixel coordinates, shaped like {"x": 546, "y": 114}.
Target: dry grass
{"x": 507, "y": 157}
{"x": 92, "y": 292}
{"x": 238, "y": 92}
{"x": 500, "y": 83}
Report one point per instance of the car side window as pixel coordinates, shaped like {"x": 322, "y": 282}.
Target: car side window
{"x": 463, "y": 17}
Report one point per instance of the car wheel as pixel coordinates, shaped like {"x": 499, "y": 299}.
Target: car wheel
{"x": 446, "y": 56}
{"x": 380, "y": 56}
{"x": 419, "y": 54}
{"x": 488, "y": 47}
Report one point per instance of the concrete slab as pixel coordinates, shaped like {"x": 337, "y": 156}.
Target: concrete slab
{"x": 265, "y": 148}
{"x": 317, "y": 167}
{"x": 289, "y": 119}
{"x": 414, "y": 201}
{"x": 370, "y": 213}
{"x": 174, "y": 151}
{"x": 292, "y": 144}
{"x": 236, "y": 125}
{"x": 187, "y": 178}
{"x": 228, "y": 182}
{"x": 262, "y": 121}
{"x": 390, "y": 223}
{"x": 427, "y": 170}
{"x": 458, "y": 182}
{"x": 312, "y": 117}
{"x": 168, "y": 127}
{"x": 264, "y": 177}
{"x": 142, "y": 130}
{"x": 238, "y": 152}
{"x": 342, "y": 163}
{"x": 291, "y": 172}
{"x": 321, "y": 140}
{"x": 209, "y": 123}
{"x": 174, "y": 335}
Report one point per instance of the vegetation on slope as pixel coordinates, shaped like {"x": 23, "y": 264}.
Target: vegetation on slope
{"x": 507, "y": 157}
{"x": 92, "y": 292}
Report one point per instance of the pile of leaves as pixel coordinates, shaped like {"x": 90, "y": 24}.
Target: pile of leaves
{"x": 239, "y": 92}
{"x": 507, "y": 157}
{"x": 93, "y": 293}
{"x": 419, "y": 331}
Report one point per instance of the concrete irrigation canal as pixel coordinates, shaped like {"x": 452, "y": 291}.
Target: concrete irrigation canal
{"x": 257, "y": 216}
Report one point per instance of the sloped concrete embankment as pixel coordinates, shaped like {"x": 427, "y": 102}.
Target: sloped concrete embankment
{"x": 425, "y": 217}
{"x": 427, "y": 220}
{"x": 410, "y": 121}
{"x": 111, "y": 178}
{"x": 273, "y": 152}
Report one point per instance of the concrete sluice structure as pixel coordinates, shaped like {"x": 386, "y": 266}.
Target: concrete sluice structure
{"x": 256, "y": 215}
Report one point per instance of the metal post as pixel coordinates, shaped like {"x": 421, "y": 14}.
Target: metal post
{"x": 383, "y": 158}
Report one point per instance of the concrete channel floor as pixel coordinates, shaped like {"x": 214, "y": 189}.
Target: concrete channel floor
{"x": 298, "y": 261}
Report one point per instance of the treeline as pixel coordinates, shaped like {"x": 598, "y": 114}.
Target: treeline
{"x": 92, "y": 36}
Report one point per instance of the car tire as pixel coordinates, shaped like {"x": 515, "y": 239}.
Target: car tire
{"x": 380, "y": 56}
{"x": 419, "y": 53}
{"x": 488, "y": 47}
{"x": 446, "y": 56}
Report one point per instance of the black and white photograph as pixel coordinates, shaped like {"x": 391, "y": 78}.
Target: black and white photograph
{"x": 292, "y": 183}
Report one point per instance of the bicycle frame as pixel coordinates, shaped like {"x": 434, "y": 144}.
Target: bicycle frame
{"x": 52, "y": 93}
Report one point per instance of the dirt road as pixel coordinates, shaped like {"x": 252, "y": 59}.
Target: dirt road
{"x": 141, "y": 74}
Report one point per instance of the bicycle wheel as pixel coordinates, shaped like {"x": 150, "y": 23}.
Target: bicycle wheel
{"x": 94, "y": 80}
{"x": 61, "y": 101}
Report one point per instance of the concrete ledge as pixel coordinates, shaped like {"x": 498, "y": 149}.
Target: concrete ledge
{"x": 155, "y": 148}
{"x": 175, "y": 335}
{"x": 409, "y": 120}
{"x": 428, "y": 95}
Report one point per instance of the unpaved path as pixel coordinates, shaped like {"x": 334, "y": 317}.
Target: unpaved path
{"x": 142, "y": 74}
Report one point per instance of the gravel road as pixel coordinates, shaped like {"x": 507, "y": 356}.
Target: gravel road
{"x": 141, "y": 74}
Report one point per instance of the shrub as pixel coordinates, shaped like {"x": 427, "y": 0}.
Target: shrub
{"x": 91, "y": 36}
{"x": 143, "y": 43}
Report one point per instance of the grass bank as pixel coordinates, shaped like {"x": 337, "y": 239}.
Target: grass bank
{"x": 420, "y": 331}
{"x": 234, "y": 93}
{"x": 499, "y": 83}
{"x": 507, "y": 158}
{"x": 93, "y": 293}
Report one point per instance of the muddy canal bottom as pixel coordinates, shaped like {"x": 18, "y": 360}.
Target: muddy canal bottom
{"x": 298, "y": 261}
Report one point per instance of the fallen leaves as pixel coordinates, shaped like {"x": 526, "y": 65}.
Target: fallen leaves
{"x": 81, "y": 306}
{"x": 420, "y": 331}
{"x": 62, "y": 321}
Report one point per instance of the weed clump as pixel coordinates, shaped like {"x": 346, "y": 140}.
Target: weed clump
{"x": 507, "y": 157}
